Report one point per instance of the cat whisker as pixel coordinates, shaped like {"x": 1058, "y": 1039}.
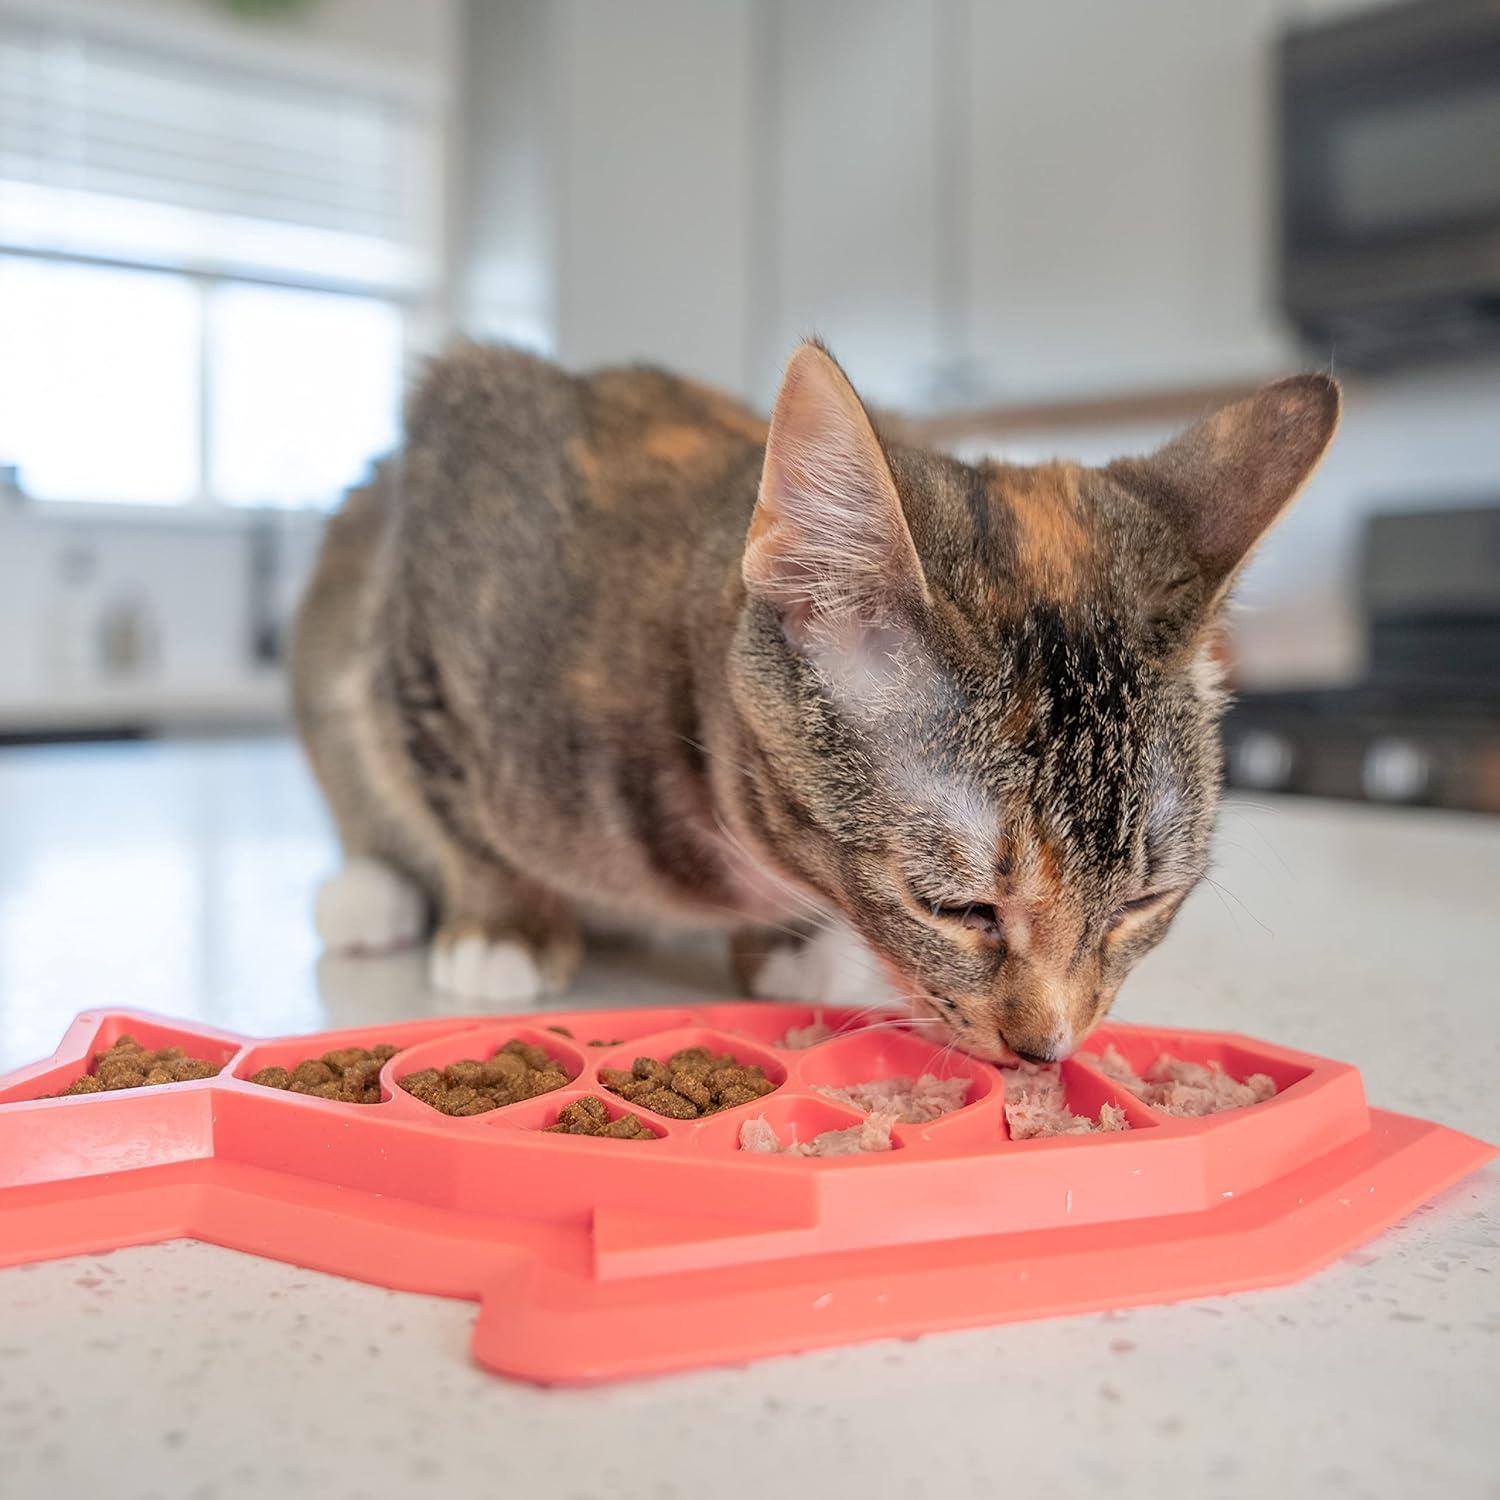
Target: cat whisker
{"x": 1264, "y": 927}
{"x": 703, "y": 749}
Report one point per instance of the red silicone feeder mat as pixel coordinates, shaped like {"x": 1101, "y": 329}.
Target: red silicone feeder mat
{"x": 598, "y": 1259}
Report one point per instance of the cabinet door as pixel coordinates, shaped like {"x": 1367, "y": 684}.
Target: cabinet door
{"x": 1121, "y": 205}
{"x": 848, "y": 249}
{"x": 650, "y": 136}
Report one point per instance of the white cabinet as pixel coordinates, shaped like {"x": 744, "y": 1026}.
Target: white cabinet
{"x": 1121, "y": 204}
{"x": 1060, "y": 197}
{"x": 652, "y": 154}
{"x": 604, "y": 177}
{"x": 852, "y": 231}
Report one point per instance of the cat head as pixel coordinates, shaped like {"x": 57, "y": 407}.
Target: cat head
{"x": 979, "y": 702}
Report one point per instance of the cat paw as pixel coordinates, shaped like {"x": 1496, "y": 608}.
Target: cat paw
{"x": 367, "y": 907}
{"x": 833, "y": 967}
{"x": 493, "y": 970}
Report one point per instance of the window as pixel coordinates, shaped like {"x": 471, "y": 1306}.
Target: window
{"x": 206, "y": 274}
{"x": 150, "y": 388}
{"x": 303, "y": 387}
{"x": 98, "y": 382}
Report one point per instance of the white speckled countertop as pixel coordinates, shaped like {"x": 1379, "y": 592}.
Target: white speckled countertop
{"x": 177, "y": 878}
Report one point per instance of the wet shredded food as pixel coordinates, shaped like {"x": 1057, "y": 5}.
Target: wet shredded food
{"x": 1186, "y": 1089}
{"x": 1036, "y": 1105}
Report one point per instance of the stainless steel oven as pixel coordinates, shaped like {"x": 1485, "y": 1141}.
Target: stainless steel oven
{"x": 1390, "y": 180}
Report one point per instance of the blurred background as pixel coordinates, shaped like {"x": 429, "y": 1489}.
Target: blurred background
{"x": 230, "y": 229}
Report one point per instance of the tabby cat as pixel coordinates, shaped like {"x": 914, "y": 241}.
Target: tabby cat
{"x": 610, "y": 644}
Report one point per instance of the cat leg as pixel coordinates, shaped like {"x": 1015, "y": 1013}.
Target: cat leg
{"x": 831, "y": 966}
{"x": 502, "y": 940}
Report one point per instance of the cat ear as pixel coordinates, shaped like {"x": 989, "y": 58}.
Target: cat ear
{"x": 828, "y": 543}
{"x": 1224, "y": 482}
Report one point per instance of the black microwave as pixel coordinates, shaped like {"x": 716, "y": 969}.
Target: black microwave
{"x": 1390, "y": 181}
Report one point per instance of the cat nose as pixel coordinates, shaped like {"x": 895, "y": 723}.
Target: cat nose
{"x": 1036, "y": 1046}
{"x": 1034, "y": 1057}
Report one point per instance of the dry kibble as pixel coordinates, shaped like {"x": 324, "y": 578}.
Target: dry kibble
{"x": 533, "y": 1056}
{"x": 737, "y": 1095}
{"x": 692, "y": 1086}
{"x": 519, "y": 1070}
{"x": 590, "y": 1116}
{"x": 310, "y": 1072}
{"x": 503, "y": 1067}
{"x": 348, "y": 1075}
{"x": 128, "y": 1065}
{"x": 670, "y": 1103}
{"x": 361, "y": 1075}
{"x": 693, "y": 1081}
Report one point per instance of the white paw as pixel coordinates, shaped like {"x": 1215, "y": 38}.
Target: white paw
{"x": 367, "y": 907}
{"x": 834, "y": 967}
{"x": 475, "y": 968}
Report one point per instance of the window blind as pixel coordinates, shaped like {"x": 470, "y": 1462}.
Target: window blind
{"x": 116, "y": 151}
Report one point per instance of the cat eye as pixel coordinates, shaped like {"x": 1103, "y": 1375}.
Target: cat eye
{"x": 980, "y": 918}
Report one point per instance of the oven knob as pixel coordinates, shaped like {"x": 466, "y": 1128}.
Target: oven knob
{"x": 1261, "y": 760}
{"x": 1396, "y": 770}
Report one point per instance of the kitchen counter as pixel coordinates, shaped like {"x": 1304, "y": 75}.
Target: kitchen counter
{"x": 179, "y": 878}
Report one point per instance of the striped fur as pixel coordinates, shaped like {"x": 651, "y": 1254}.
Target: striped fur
{"x": 602, "y": 644}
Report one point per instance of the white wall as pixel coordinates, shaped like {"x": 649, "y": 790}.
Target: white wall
{"x": 1122, "y": 206}
{"x": 505, "y": 235}
{"x": 653, "y": 223}
{"x": 852, "y": 215}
